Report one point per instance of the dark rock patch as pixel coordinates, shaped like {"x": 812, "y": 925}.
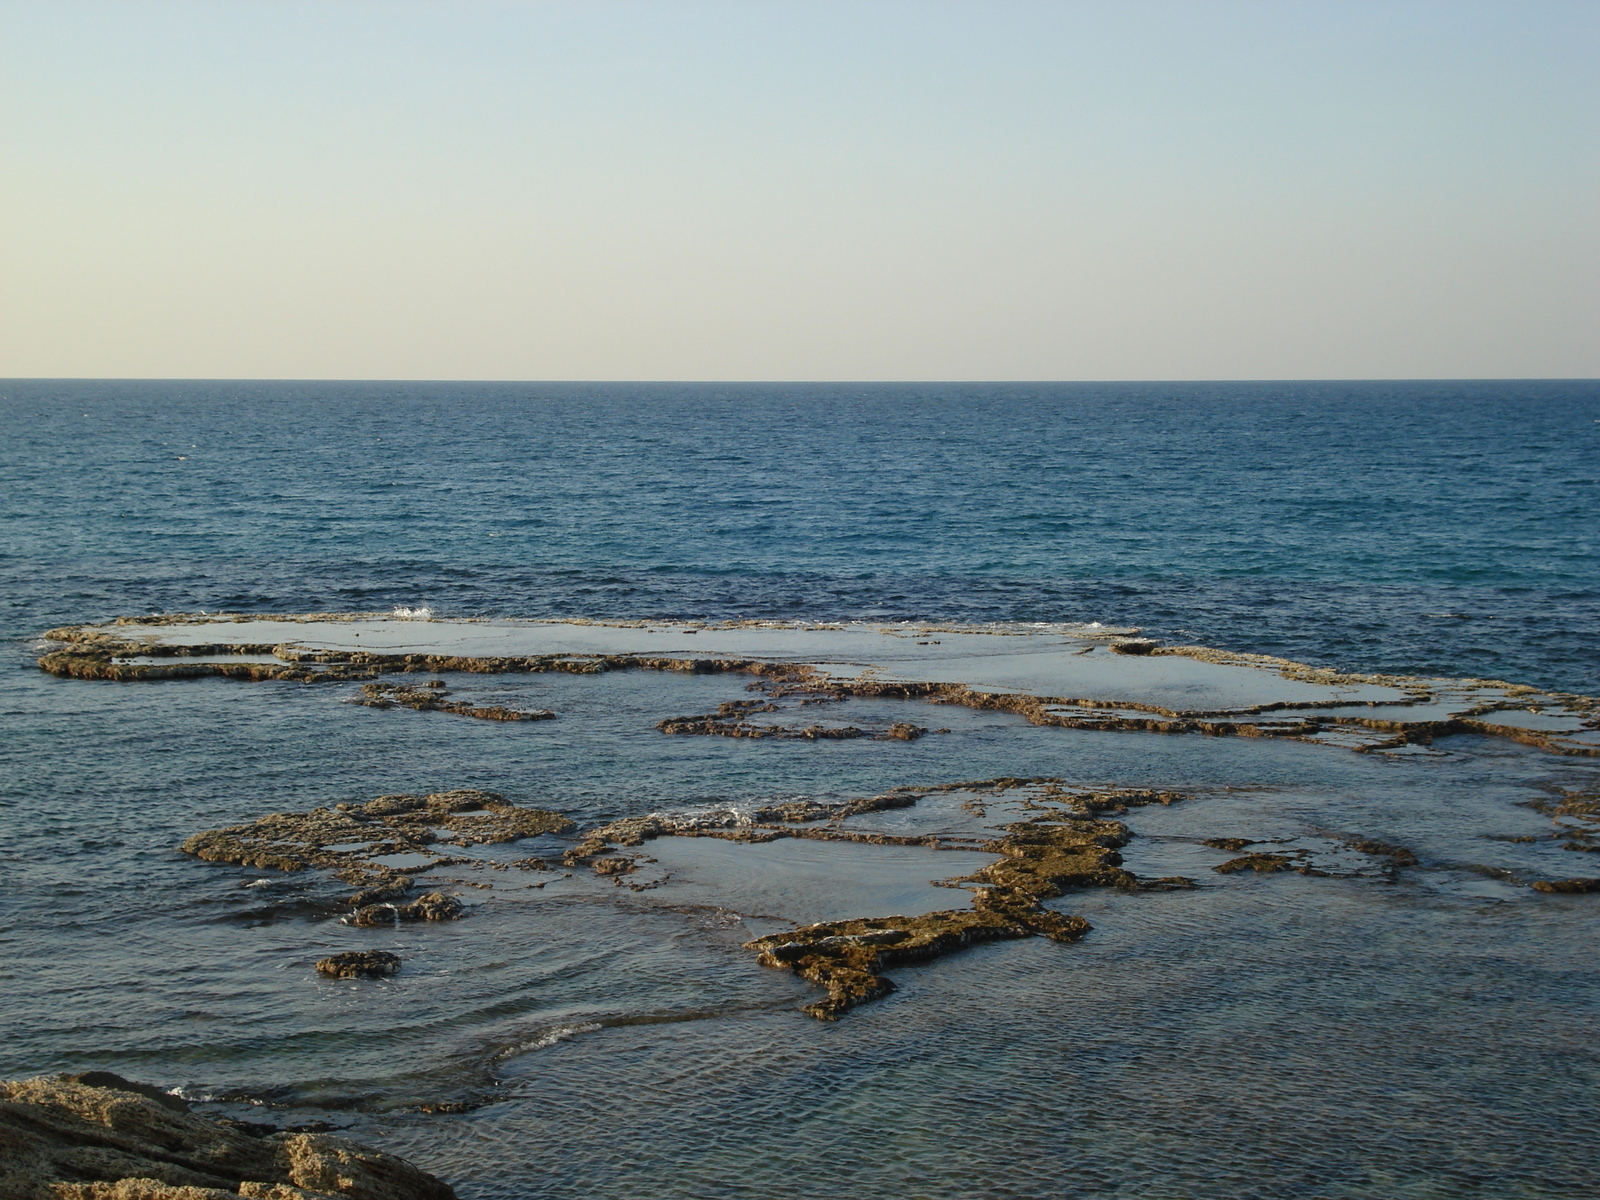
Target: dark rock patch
{"x": 1565, "y": 885}
{"x": 432, "y": 697}
{"x": 360, "y": 964}
{"x": 435, "y": 906}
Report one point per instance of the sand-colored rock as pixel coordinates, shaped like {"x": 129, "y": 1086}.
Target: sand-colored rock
{"x": 67, "y": 1140}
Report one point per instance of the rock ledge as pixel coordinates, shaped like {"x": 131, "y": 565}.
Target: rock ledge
{"x": 101, "y": 1137}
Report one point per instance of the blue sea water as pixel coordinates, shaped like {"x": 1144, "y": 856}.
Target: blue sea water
{"x": 1278, "y": 1036}
{"x": 1418, "y": 527}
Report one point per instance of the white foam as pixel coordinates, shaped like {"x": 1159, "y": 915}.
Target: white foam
{"x": 550, "y": 1037}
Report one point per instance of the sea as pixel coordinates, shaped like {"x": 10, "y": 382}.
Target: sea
{"x": 1436, "y": 1035}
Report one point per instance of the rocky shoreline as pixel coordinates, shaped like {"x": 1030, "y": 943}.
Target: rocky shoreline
{"x": 97, "y": 1136}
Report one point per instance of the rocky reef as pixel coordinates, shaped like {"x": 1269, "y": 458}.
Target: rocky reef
{"x": 844, "y": 957}
{"x": 433, "y": 696}
{"x": 435, "y": 906}
{"x": 1576, "y": 816}
{"x": 1060, "y": 839}
{"x": 133, "y": 649}
{"x": 1265, "y": 863}
{"x": 100, "y": 1137}
{"x": 1066, "y": 846}
{"x": 1557, "y": 886}
{"x": 349, "y": 839}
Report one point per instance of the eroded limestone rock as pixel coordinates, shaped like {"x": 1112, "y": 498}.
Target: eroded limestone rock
{"x": 844, "y": 956}
{"x": 1066, "y": 846}
{"x": 65, "y": 1140}
{"x": 119, "y": 651}
{"x": 347, "y": 838}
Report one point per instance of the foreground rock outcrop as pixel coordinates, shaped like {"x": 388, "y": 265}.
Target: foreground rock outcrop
{"x": 360, "y": 964}
{"x": 100, "y": 1137}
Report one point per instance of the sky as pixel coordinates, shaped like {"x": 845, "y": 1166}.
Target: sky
{"x": 799, "y": 189}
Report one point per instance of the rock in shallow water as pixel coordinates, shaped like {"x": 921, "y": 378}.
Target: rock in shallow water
{"x": 64, "y": 1140}
{"x": 435, "y": 906}
{"x": 360, "y": 964}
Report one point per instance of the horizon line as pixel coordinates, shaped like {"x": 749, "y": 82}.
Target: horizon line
{"x": 9, "y": 379}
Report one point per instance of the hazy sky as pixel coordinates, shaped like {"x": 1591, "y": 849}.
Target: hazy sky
{"x": 799, "y": 189}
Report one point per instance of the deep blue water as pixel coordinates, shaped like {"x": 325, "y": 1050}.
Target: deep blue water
{"x": 1418, "y": 527}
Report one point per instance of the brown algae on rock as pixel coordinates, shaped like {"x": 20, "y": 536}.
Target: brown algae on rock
{"x": 1569, "y": 886}
{"x": 359, "y": 964}
{"x": 347, "y": 837}
{"x": 435, "y": 906}
{"x": 844, "y": 956}
{"x": 1066, "y": 844}
{"x": 352, "y": 840}
{"x": 1065, "y": 847}
{"x": 67, "y": 1138}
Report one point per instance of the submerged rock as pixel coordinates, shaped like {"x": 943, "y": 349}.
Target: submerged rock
{"x": 360, "y": 964}
{"x": 115, "y": 1140}
{"x": 1229, "y": 843}
{"x": 1264, "y": 864}
{"x": 1398, "y": 855}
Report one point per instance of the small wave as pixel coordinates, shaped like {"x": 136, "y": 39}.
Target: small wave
{"x": 195, "y": 1095}
{"x": 412, "y": 614}
{"x": 549, "y": 1037}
